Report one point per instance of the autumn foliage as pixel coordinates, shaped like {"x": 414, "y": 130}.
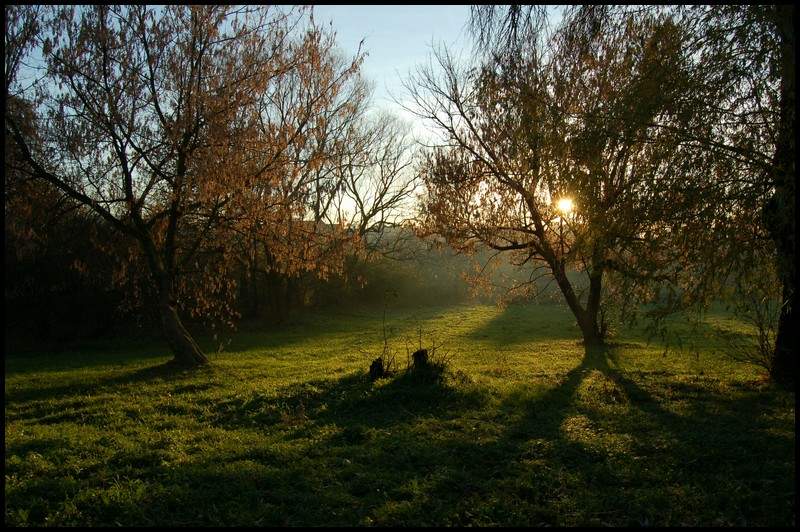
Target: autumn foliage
{"x": 213, "y": 139}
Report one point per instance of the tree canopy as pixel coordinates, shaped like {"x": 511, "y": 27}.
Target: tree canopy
{"x": 621, "y": 111}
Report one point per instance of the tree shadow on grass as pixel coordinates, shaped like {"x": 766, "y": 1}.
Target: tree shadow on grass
{"x": 557, "y": 467}
{"x": 312, "y": 328}
{"x": 355, "y": 446}
{"x": 318, "y": 476}
{"x": 522, "y": 323}
{"x": 39, "y": 396}
{"x": 350, "y": 402}
{"x": 600, "y": 447}
{"x": 351, "y": 446}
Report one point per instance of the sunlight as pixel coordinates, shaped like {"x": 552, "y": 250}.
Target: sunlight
{"x": 565, "y": 205}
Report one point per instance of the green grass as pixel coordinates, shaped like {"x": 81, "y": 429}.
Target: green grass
{"x": 285, "y": 428}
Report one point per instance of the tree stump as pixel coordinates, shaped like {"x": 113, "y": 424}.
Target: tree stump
{"x": 376, "y": 370}
{"x": 420, "y": 358}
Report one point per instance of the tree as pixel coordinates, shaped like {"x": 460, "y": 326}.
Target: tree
{"x": 288, "y": 228}
{"x": 587, "y": 113}
{"x": 740, "y": 66}
{"x": 162, "y": 122}
{"x": 744, "y": 71}
{"x": 379, "y": 185}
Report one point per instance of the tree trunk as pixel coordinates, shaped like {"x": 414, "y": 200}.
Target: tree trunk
{"x": 593, "y": 335}
{"x": 185, "y": 350}
{"x": 255, "y": 307}
{"x": 783, "y": 369}
{"x": 255, "y": 302}
{"x": 592, "y": 331}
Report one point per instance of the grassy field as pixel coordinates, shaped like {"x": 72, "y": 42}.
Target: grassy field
{"x": 285, "y": 428}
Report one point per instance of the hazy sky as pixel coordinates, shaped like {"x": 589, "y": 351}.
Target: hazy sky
{"x": 397, "y": 38}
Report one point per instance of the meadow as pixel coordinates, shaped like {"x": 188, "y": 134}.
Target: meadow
{"x": 524, "y": 427}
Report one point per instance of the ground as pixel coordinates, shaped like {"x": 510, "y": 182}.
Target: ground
{"x": 285, "y": 428}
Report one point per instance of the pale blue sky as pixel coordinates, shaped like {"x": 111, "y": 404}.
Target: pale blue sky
{"x": 397, "y": 39}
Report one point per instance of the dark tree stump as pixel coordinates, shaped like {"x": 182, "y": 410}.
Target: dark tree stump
{"x": 420, "y": 358}
{"x": 376, "y": 370}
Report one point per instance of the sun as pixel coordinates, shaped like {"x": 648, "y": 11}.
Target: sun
{"x": 565, "y": 205}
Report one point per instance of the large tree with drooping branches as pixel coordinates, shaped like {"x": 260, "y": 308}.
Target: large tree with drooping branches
{"x": 594, "y": 110}
{"x": 739, "y": 102}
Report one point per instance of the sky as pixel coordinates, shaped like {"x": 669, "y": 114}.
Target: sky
{"x": 397, "y": 39}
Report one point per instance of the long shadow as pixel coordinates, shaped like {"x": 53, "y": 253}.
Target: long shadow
{"x": 697, "y": 451}
{"x": 85, "y": 403}
{"x": 122, "y": 349}
{"x": 521, "y": 323}
{"x": 353, "y": 403}
{"x": 375, "y": 452}
{"x": 313, "y": 328}
{"x": 166, "y": 372}
{"x": 533, "y": 432}
{"x": 91, "y": 355}
{"x": 372, "y": 428}
{"x": 408, "y": 452}
{"x": 371, "y": 449}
